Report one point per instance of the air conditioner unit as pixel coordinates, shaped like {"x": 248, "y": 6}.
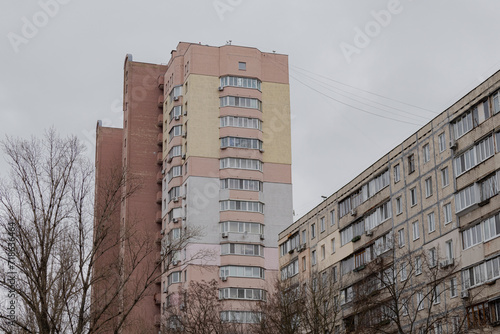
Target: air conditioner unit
{"x": 177, "y": 118}
{"x": 291, "y": 251}
{"x": 225, "y": 234}
{"x": 453, "y": 145}
{"x": 165, "y": 289}
{"x": 262, "y": 237}
{"x": 176, "y": 199}
{"x": 162, "y": 232}
{"x": 168, "y": 160}
{"x": 183, "y": 218}
{"x": 175, "y": 262}
{"x": 221, "y": 88}
{"x": 185, "y": 113}
{"x": 176, "y": 98}
{"x": 369, "y": 233}
{"x": 184, "y": 134}
{"x": 183, "y": 196}
{"x": 223, "y": 278}
{"x": 175, "y": 220}
{"x": 354, "y": 212}
{"x": 184, "y": 156}
{"x": 261, "y": 150}
{"x": 465, "y": 294}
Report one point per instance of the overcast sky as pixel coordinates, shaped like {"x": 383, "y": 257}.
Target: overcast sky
{"x": 61, "y": 64}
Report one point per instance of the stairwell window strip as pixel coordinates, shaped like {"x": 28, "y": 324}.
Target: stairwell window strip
{"x": 241, "y": 184}
{"x": 240, "y": 82}
{"x": 241, "y": 122}
{"x": 238, "y": 142}
{"x": 242, "y": 293}
{"x": 241, "y": 227}
{"x": 242, "y": 249}
{"x": 248, "y": 206}
{"x": 241, "y": 163}
{"x": 241, "y": 102}
{"x": 242, "y": 271}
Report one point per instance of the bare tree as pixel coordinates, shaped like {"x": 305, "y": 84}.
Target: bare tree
{"x": 406, "y": 294}
{"x": 197, "y": 309}
{"x": 54, "y": 238}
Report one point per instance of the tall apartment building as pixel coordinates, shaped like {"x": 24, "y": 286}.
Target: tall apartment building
{"x": 414, "y": 239}
{"x": 208, "y": 134}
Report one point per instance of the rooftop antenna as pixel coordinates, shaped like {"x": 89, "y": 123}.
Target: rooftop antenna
{"x": 229, "y": 42}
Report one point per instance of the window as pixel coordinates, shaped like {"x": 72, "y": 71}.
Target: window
{"x": 313, "y": 231}
{"x": 397, "y": 173}
{"x": 322, "y": 224}
{"x": 175, "y": 151}
{"x": 332, "y": 217}
{"x": 403, "y": 272}
{"x": 475, "y": 155}
{"x": 175, "y": 112}
{"x": 242, "y": 249}
{"x": 488, "y": 187}
{"x": 175, "y": 131}
{"x": 447, "y": 213}
{"x": 313, "y": 258}
{"x": 241, "y": 317}
{"x": 420, "y": 300}
{"x": 323, "y": 252}
{"x": 240, "y": 82}
{"x": 377, "y": 217}
{"x": 449, "y": 249}
{"x": 175, "y": 93}
{"x": 466, "y": 198}
{"x": 353, "y": 230}
{"x": 175, "y": 171}
{"x": 242, "y": 271}
{"x": 495, "y": 310}
{"x": 463, "y": 125}
{"x": 453, "y": 287}
{"x": 442, "y": 142}
{"x": 477, "y": 315}
{"x": 290, "y": 244}
{"x": 411, "y": 163}
{"x": 334, "y": 274}
{"x": 231, "y": 205}
{"x": 346, "y": 295}
{"x": 427, "y": 153}
{"x": 431, "y": 223}
{"x": 490, "y": 228}
{"x": 401, "y": 237}
{"x": 304, "y": 237}
{"x": 416, "y": 231}
{"x": 347, "y": 265}
{"x": 383, "y": 244}
{"x": 242, "y": 227}
{"x": 413, "y": 196}
{"x": 399, "y": 207}
{"x": 174, "y": 277}
{"x": 405, "y": 308}
{"x": 304, "y": 264}
{"x": 290, "y": 270}
{"x": 333, "y": 245}
{"x": 432, "y": 257}
{"x": 428, "y": 187}
{"x": 444, "y": 177}
{"x": 241, "y": 184}
{"x": 436, "y": 297}
{"x": 238, "y": 142}
{"x": 363, "y": 257}
{"x": 241, "y": 102}
{"x": 242, "y": 293}
{"x": 438, "y": 328}
{"x": 242, "y": 66}
{"x": 418, "y": 265}
{"x": 241, "y": 122}
{"x": 240, "y": 163}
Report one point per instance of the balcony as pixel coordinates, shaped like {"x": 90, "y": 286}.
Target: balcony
{"x": 159, "y": 177}
{"x": 158, "y": 197}
{"x": 161, "y": 81}
{"x": 159, "y": 236}
{"x": 159, "y": 158}
{"x": 159, "y": 139}
{"x": 158, "y": 217}
{"x": 157, "y": 298}
{"x": 157, "y": 320}
{"x": 159, "y": 122}
{"x": 160, "y": 101}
